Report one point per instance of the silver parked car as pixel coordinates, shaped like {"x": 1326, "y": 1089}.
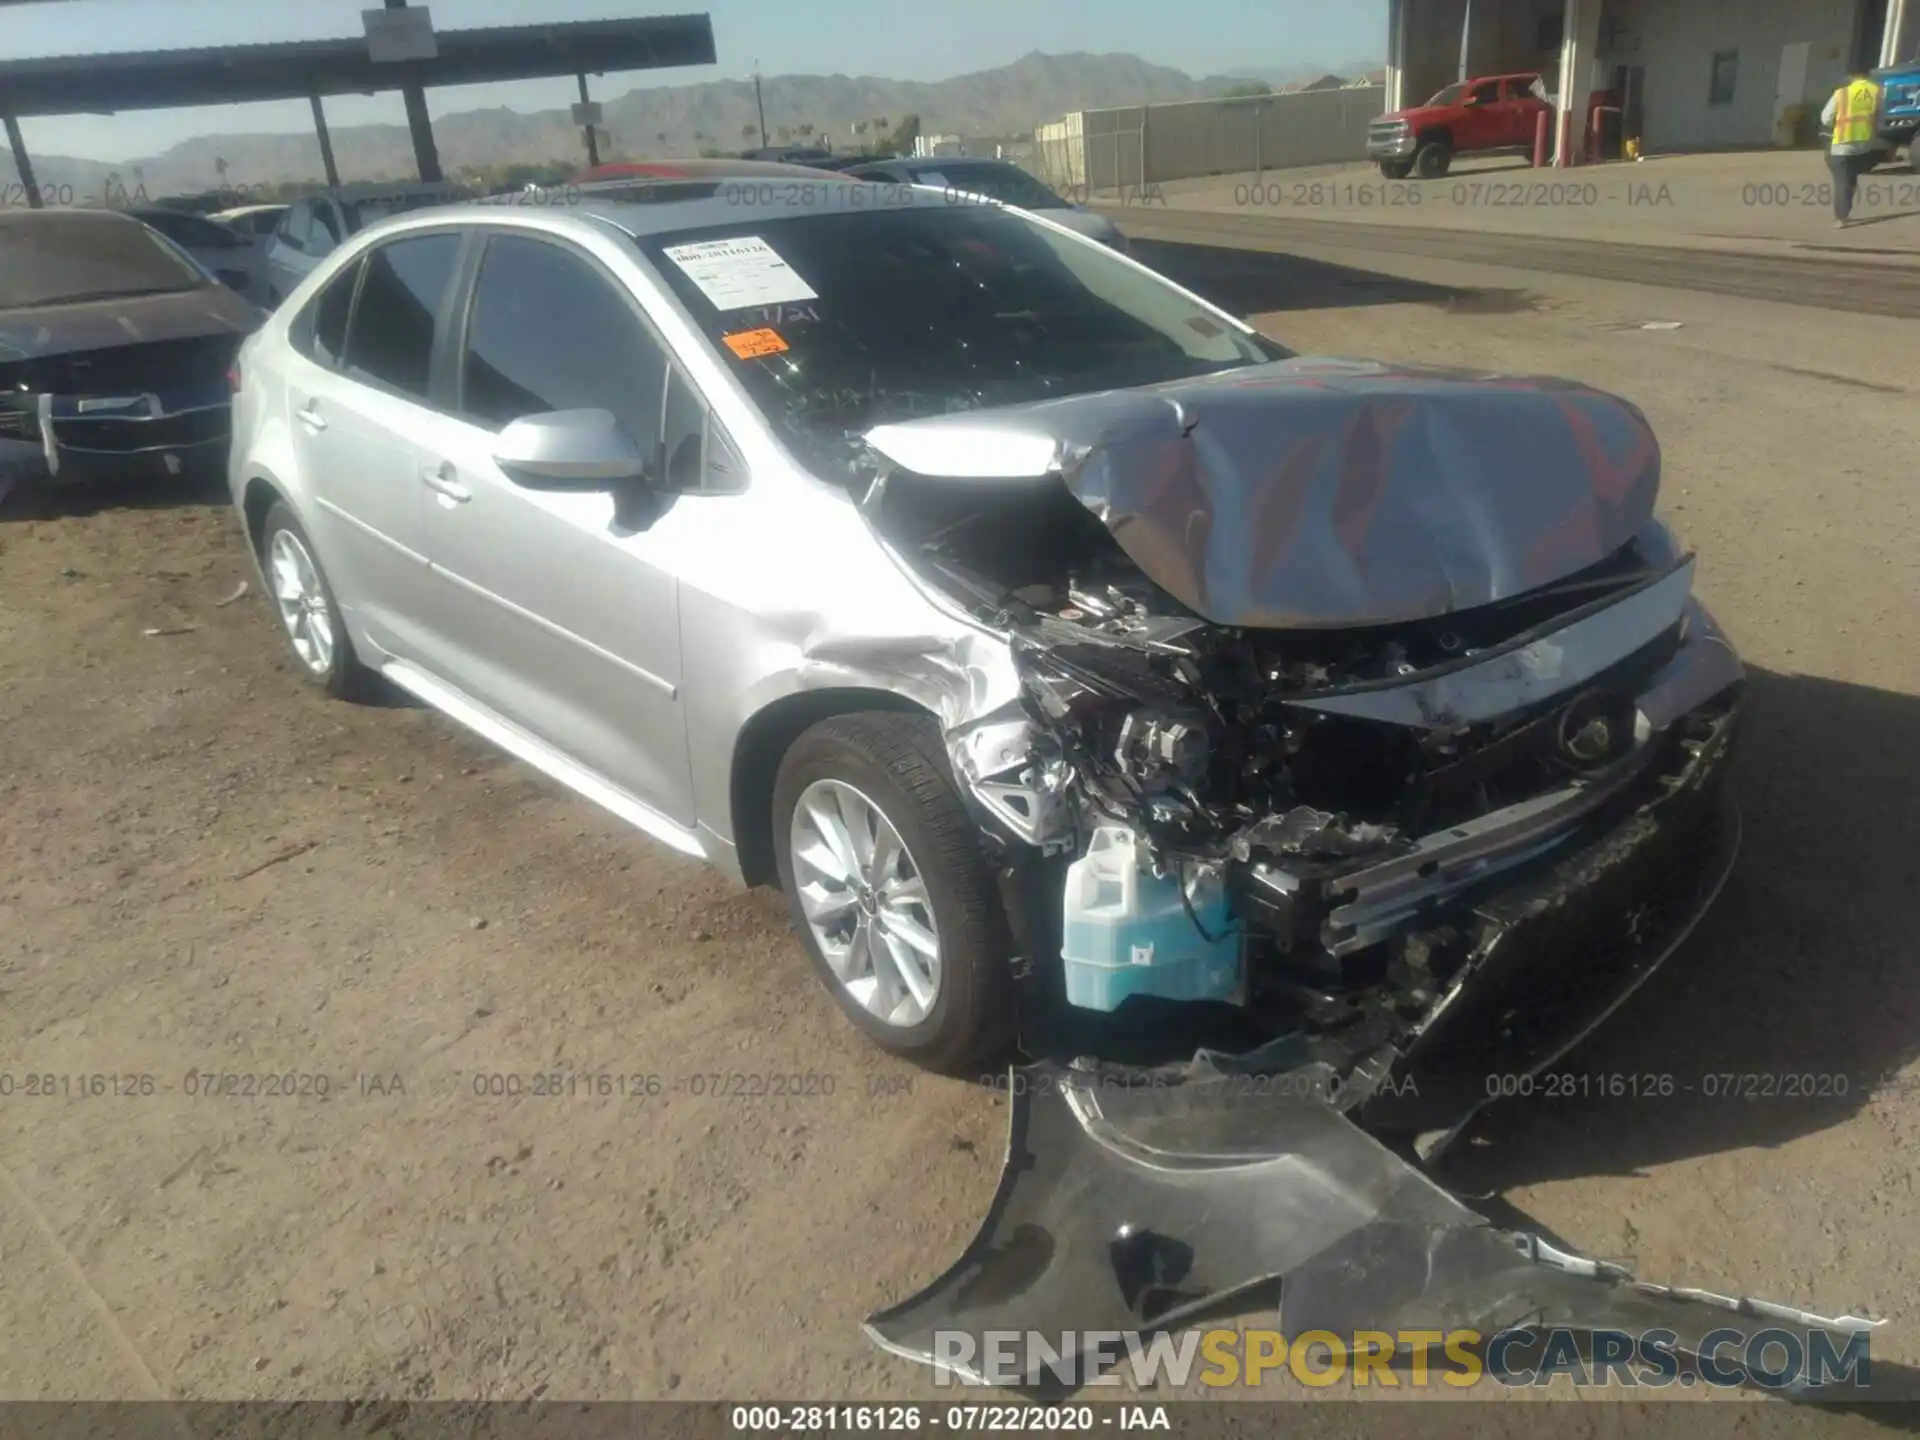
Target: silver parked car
{"x": 1044, "y": 631}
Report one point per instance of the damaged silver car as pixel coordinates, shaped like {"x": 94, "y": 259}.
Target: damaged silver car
{"x": 1090, "y": 671}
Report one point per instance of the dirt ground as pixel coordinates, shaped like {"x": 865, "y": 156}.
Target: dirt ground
{"x": 205, "y": 868}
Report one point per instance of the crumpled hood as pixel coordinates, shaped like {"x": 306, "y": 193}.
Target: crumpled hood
{"x": 49, "y": 330}
{"x": 1318, "y": 493}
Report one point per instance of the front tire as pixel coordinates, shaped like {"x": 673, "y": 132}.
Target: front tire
{"x": 891, "y": 893}
{"x": 1396, "y": 169}
{"x": 1433, "y": 160}
{"x": 309, "y": 615}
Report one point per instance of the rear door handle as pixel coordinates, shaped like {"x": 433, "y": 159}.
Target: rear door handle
{"x": 439, "y": 479}
{"x": 309, "y": 415}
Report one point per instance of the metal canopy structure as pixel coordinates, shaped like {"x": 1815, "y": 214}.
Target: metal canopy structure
{"x": 312, "y": 69}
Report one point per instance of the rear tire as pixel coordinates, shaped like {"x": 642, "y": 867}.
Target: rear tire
{"x": 316, "y": 634}
{"x": 1396, "y": 169}
{"x": 895, "y": 763}
{"x": 1433, "y": 160}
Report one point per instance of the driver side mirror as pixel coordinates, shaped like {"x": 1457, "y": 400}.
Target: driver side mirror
{"x": 571, "y": 450}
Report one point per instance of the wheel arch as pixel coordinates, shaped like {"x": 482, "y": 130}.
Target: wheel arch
{"x": 1432, "y": 134}
{"x": 758, "y": 750}
{"x": 256, "y": 499}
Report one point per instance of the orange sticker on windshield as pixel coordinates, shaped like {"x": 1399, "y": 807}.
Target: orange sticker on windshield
{"x": 752, "y": 344}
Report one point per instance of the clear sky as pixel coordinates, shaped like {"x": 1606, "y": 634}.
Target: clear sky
{"x": 898, "y": 39}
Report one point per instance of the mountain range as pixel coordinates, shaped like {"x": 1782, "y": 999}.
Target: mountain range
{"x": 676, "y": 120}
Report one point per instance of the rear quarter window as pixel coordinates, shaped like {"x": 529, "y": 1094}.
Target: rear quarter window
{"x": 403, "y": 296}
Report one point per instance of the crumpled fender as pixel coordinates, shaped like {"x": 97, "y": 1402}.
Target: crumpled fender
{"x": 1129, "y": 1207}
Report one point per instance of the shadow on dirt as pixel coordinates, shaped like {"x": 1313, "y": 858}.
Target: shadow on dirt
{"x": 1795, "y": 1000}
{"x": 1254, "y": 282}
{"x": 39, "y": 500}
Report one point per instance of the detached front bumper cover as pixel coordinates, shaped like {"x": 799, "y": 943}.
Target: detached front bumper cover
{"x": 1127, "y": 1208}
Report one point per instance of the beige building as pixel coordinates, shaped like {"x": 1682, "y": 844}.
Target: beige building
{"x": 1689, "y": 74}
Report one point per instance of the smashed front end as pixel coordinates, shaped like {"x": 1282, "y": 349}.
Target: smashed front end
{"x": 1385, "y": 687}
{"x": 1368, "y": 711}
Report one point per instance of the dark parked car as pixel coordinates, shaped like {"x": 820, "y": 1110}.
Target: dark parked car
{"x": 115, "y": 350}
{"x": 220, "y": 249}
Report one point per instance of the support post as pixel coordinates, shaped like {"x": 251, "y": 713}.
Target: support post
{"x": 1396, "y": 53}
{"x": 1579, "y": 44}
{"x": 326, "y": 140}
{"x": 1894, "y": 45}
{"x": 22, "y": 164}
{"x": 593, "y": 145}
{"x": 420, "y": 125}
{"x": 425, "y": 157}
{"x": 1466, "y": 38}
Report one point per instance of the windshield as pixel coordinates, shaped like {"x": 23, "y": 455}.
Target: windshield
{"x": 1008, "y": 184}
{"x": 839, "y": 322}
{"x": 51, "y": 258}
{"x": 1452, "y": 95}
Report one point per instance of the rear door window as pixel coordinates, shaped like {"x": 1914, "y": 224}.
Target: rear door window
{"x": 549, "y": 330}
{"x": 402, "y": 298}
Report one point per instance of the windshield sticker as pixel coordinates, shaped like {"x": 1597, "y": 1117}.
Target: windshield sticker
{"x": 752, "y": 344}
{"x": 735, "y": 274}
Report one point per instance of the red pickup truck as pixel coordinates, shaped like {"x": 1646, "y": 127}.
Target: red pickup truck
{"x": 1495, "y": 112}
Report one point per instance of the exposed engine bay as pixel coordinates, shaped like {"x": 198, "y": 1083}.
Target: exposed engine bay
{"x": 1372, "y": 709}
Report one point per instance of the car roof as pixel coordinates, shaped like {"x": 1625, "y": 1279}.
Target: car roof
{"x": 722, "y": 168}
{"x": 381, "y": 189}
{"x": 662, "y": 208}
{"x": 934, "y": 162}
{"x": 239, "y": 210}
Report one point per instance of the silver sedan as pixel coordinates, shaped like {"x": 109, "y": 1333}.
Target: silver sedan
{"x": 1057, "y": 643}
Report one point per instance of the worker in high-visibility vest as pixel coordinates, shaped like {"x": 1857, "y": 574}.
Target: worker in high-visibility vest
{"x": 1854, "y": 150}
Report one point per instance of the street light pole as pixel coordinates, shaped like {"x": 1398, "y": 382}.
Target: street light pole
{"x": 759, "y": 108}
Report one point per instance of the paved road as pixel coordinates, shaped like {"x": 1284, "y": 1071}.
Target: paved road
{"x": 1825, "y": 282}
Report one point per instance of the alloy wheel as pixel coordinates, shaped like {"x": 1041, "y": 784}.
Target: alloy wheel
{"x": 866, "y": 903}
{"x": 302, "y": 600}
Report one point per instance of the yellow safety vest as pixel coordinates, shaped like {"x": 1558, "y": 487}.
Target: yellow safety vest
{"x": 1853, "y": 116}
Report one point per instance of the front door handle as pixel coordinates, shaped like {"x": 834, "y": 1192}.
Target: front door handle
{"x": 309, "y": 415}
{"x": 439, "y": 479}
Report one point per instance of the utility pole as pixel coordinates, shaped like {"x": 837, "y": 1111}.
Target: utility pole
{"x": 759, "y": 107}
